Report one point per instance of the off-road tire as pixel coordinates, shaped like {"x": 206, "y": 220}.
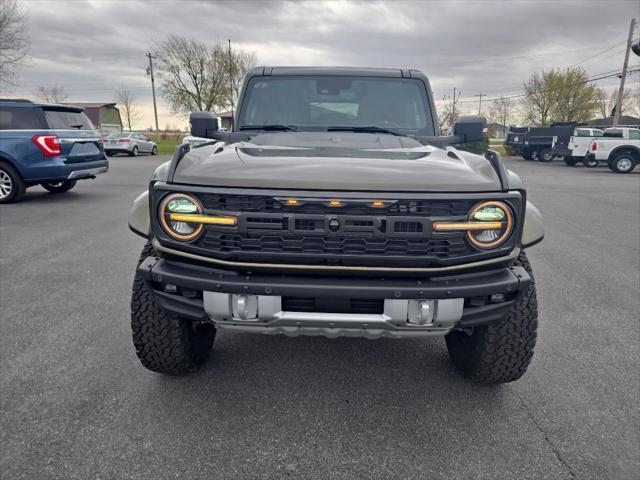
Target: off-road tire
{"x": 545, "y": 155}
{"x": 527, "y": 155}
{"x": 571, "y": 161}
{"x": 59, "y": 187}
{"x": 15, "y": 184}
{"x": 164, "y": 342}
{"x": 623, "y": 163}
{"x": 499, "y": 352}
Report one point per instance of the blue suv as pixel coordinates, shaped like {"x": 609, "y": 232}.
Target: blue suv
{"x": 48, "y": 145}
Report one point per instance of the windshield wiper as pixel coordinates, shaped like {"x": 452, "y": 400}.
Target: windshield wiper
{"x": 78, "y": 126}
{"x": 272, "y": 128}
{"x": 371, "y": 129}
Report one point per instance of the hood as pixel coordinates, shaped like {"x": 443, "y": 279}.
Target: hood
{"x": 337, "y": 161}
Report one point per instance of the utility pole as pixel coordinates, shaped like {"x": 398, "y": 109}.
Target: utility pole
{"x": 616, "y": 116}
{"x": 454, "y": 101}
{"x": 153, "y": 88}
{"x": 480, "y": 105}
{"x": 231, "y": 80}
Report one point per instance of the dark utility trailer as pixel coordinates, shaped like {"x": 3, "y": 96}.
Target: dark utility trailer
{"x": 541, "y": 143}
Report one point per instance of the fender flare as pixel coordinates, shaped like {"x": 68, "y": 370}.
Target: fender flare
{"x": 533, "y": 231}
{"x": 139, "y": 220}
{"x": 623, "y": 148}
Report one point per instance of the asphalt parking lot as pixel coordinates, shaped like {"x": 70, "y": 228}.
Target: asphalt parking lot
{"x": 76, "y": 404}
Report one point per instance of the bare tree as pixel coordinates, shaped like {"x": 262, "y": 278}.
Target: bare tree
{"x": 560, "y": 95}
{"x": 192, "y": 74}
{"x": 197, "y": 76}
{"x": 500, "y": 111}
{"x": 240, "y": 62}
{"x": 126, "y": 101}
{"x": 634, "y": 106}
{"x": 447, "y": 113}
{"x": 52, "y": 94}
{"x": 14, "y": 41}
{"x": 607, "y": 102}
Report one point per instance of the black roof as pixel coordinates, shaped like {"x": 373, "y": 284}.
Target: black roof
{"x": 351, "y": 71}
{"x": 625, "y": 121}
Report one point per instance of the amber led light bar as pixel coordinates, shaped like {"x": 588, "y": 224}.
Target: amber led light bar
{"x": 203, "y": 219}
{"x": 465, "y": 226}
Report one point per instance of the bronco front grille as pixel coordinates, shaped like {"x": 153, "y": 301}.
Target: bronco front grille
{"x": 452, "y": 245}
{"x": 359, "y": 232}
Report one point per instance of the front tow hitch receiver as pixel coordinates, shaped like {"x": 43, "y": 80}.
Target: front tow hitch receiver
{"x": 420, "y": 312}
{"x": 245, "y": 307}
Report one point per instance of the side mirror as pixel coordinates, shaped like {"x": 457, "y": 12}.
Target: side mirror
{"x": 471, "y": 128}
{"x": 203, "y": 124}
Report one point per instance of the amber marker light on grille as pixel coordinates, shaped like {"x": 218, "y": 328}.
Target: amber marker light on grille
{"x": 203, "y": 219}
{"x": 335, "y": 203}
{"x": 293, "y": 202}
{"x": 377, "y": 204}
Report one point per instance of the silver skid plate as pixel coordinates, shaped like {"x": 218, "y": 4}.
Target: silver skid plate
{"x": 400, "y": 318}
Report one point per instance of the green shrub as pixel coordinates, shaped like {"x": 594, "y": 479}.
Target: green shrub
{"x": 475, "y": 147}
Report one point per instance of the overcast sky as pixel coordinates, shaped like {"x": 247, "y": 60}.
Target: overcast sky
{"x": 88, "y": 47}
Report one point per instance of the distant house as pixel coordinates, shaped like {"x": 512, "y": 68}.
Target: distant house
{"x": 226, "y": 120}
{"x": 625, "y": 121}
{"x": 497, "y": 130}
{"x": 105, "y": 116}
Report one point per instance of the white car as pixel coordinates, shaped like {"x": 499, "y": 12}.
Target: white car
{"x": 130, "y": 143}
{"x": 619, "y": 147}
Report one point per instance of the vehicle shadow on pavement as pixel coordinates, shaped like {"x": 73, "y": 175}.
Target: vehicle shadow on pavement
{"x": 71, "y": 198}
{"x": 378, "y": 373}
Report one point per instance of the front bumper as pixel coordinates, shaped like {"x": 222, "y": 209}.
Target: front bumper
{"x": 207, "y": 294}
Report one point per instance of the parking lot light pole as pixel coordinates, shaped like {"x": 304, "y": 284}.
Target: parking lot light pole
{"x": 616, "y": 115}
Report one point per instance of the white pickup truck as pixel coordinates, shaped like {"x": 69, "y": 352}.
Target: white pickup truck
{"x": 619, "y": 147}
{"x": 579, "y": 144}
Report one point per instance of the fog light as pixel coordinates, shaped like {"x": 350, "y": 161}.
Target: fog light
{"x": 420, "y": 312}
{"x": 498, "y": 298}
{"x": 169, "y": 288}
{"x": 245, "y": 307}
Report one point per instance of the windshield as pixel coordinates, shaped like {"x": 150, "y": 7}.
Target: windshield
{"x": 322, "y": 102}
{"x": 119, "y": 135}
{"x": 67, "y": 119}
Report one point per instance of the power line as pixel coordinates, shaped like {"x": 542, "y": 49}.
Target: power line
{"x": 582, "y": 82}
{"x": 599, "y": 53}
{"x": 514, "y": 57}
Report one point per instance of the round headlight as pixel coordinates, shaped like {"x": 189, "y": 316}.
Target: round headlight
{"x": 179, "y": 205}
{"x": 498, "y": 218}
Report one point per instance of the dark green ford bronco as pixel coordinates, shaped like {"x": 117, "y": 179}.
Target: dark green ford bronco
{"x": 333, "y": 207}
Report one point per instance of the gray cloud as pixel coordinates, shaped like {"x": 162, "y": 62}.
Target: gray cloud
{"x": 88, "y": 47}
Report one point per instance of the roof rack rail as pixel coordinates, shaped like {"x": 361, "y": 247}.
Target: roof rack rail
{"x": 17, "y": 100}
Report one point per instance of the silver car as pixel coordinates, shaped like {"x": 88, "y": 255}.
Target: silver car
{"x": 130, "y": 143}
